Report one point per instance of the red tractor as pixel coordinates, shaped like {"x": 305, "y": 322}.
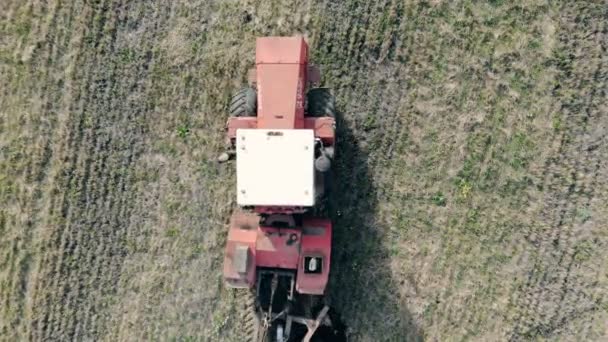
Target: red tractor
{"x": 282, "y": 134}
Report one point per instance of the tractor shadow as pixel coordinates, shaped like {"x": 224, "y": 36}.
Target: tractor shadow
{"x": 362, "y": 288}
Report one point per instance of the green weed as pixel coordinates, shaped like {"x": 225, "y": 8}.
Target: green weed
{"x": 556, "y": 123}
{"x": 583, "y": 251}
{"x": 183, "y": 131}
{"x": 369, "y": 123}
{"x": 127, "y": 56}
{"x": 464, "y": 189}
{"x": 172, "y": 232}
{"x": 519, "y": 150}
{"x": 439, "y": 199}
{"x": 583, "y": 214}
{"x": 472, "y": 222}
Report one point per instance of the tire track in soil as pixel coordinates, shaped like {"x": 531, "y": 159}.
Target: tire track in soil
{"x": 72, "y": 182}
{"x": 333, "y": 32}
{"x": 559, "y": 237}
{"x": 356, "y": 61}
{"x": 113, "y": 242}
{"x": 45, "y": 93}
{"x": 385, "y": 103}
{"x": 591, "y": 166}
{"x": 56, "y": 209}
{"x": 8, "y": 14}
{"x": 162, "y": 16}
{"x": 54, "y": 291}
{"x": 95, "y": 215}
{"x": 554, "y": 250}
{"x": 372, "y": 84}
{"x": 56, "y": 266}
{"x": 99, "y": 172}
{"x": 94, "y": 166}
{"x": 15, "y": 259}
{"x": 9, "y": 247}
{"x": 52, "y": 92}
{"x": 391, "y": 105}
{"x": 382, "y": 104}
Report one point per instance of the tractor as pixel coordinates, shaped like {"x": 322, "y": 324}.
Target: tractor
{"x": 281, "y": 131}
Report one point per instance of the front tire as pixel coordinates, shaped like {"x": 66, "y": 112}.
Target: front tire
{"x": 320, "y": 103}
{"x": 244, "y": 103}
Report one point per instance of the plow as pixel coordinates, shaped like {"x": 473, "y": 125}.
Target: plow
{"x": 281, "y": 132}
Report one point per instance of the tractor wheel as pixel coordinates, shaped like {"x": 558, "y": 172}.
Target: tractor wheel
{"x": 244, "y": 103}
{"x": 320, "y": 102}
{"x": 248, "y": 319}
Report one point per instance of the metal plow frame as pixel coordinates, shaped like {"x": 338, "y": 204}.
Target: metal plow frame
{"x": 311, "y": 325}
{"x": 268, "y": 318}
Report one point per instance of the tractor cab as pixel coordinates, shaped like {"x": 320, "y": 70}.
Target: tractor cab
{"x": 275, "y": 167}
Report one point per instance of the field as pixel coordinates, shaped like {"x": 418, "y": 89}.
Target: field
{"x": 471, "y": 179}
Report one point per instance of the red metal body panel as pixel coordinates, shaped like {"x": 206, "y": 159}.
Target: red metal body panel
{"x": 243, "y": 231}
{"x": 281, "y": 80}
{"x": 281, "y": 65}
{"x": 324, "y": 127}
{"x": 316, "y": 241}
{"x": 281, "y": 95}
{"x": 281, "y": 50}
{"x": 278, "y": 248}
{"x": 283, "y": 248}
{"x": 235, "y": 123}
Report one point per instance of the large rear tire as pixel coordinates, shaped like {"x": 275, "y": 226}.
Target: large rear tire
{"x": 250, "y": 321}
{"x": 247, "y": 316}
{"x": 244, "y": 103}
{"x": 320, "y": 103}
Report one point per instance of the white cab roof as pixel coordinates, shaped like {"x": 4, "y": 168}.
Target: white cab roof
{"x": 275, "y": 167}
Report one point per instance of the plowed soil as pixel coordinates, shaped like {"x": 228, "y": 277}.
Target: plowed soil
{"x": 471, "y": 173}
